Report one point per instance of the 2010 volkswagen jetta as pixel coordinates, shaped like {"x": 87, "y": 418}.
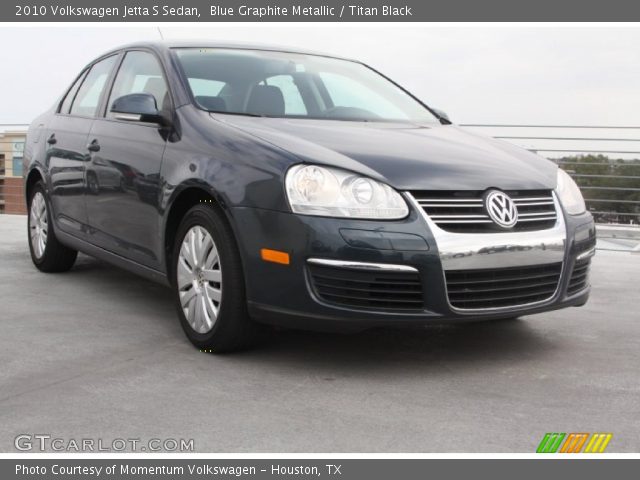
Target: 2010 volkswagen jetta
{"x": 278, "y": 186}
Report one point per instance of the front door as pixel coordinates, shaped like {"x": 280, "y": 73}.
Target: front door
{"x": 123, "y": 173}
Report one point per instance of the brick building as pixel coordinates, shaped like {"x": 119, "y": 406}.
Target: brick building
{"x": 11, "y": 181}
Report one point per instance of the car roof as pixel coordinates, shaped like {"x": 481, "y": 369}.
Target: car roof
{"x": 167, "y": 45}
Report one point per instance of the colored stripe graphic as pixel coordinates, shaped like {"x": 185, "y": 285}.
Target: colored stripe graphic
{"x": 550, "y": 442}
{"x": 574, "y": 443}
{"x": 598, "y": 443}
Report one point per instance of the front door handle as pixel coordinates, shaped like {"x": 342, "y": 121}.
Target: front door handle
{"x": 52, "y": 139}
{"x": 94, "y": 146}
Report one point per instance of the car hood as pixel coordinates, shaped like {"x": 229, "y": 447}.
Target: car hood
{"x": 406, "y": 156}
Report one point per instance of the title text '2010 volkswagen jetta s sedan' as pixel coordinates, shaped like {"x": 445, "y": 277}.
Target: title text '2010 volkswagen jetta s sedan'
{"x": 277, "y": 186}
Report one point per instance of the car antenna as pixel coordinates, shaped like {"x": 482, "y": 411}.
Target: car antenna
{"x": 160, "y": 32}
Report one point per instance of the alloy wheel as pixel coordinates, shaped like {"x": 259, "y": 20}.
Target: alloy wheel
{"x": 199, "y": 279}
{"x": 38, "y": 224}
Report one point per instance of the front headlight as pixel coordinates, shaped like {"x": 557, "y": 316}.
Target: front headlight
{"x": 569, "y": 194}
{"x": 332, "y": 192}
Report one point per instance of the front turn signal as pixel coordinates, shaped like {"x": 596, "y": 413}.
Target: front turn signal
{"x": 275, "y": 256}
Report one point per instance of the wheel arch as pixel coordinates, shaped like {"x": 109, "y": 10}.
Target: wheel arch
{"x": 33, "y": 177}
{"x": 184, "y": 198}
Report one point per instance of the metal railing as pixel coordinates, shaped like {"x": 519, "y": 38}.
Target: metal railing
{"x": 604, "y": 160}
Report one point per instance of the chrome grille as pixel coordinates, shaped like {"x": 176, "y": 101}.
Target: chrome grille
{"x": 502, "y": 287}
{"x": 464, "y": 211}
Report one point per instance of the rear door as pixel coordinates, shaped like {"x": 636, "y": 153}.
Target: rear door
{"x": 66, "y": 152}
{"x": 124, "y": 170}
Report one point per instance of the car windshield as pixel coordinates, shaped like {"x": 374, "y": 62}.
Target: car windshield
{"x": 280, "y": 84}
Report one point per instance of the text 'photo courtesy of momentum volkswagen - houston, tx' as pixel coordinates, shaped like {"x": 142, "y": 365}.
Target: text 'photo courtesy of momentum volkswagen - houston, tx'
{"x": 274, "y": 186}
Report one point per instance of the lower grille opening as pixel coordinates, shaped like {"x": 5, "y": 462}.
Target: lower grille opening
{"x": 502, "y": 287}
{"x": 367, "y": 290}
{"x": 579, "y": 277}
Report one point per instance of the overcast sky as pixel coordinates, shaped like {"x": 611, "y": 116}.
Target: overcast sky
{"x": 558, "y": 75}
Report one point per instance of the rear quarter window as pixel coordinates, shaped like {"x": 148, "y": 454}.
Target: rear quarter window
{"x": 71, "y": 94}
{"x": 87, "y": 99}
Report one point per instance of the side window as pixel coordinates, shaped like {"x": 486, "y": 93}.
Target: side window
{"x": 140, "y": 72}
{"x": 71, "y": 94}
{"x": 293, "y": 103}
{"x": 88, "y": 96}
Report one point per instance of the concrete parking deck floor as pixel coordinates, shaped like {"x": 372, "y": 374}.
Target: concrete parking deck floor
{"x": 98, "y": 353}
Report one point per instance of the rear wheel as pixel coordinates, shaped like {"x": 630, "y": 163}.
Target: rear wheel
{"x": 208, "y": 283}
{"x": 47, "y": 253}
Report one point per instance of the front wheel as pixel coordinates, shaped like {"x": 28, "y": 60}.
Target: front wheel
{"x": 47, "y": 253}
{"x": 208, "y": 283}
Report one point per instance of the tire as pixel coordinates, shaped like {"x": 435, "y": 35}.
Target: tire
{"x": 208, "y": 287}
{"x": 47, "y": 253}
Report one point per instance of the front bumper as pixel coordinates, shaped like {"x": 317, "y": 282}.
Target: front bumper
{"x": 284, "y": 294}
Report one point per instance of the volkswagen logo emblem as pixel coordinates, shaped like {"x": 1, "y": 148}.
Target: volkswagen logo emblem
{"x": 501, "y": 208}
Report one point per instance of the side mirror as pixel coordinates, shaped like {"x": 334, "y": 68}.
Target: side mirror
{"x": 443, "y": 115}
{"x": 137, "y": 107}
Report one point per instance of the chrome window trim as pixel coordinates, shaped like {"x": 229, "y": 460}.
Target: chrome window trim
{"x": 505, "y": 238}
{"x": 352, "y": 265}
{"x": 129, "y": 117}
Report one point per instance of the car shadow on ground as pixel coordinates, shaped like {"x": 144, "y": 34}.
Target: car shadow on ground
{"x": 460, "y": 344}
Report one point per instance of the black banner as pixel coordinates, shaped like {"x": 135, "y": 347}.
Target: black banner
{"x": 117, "y": 469}
{"x": 318, "y": 11}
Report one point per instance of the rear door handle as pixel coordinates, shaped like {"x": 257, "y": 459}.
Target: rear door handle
{"x": 94, "y": 146}
{"x": 52, "y": 139}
